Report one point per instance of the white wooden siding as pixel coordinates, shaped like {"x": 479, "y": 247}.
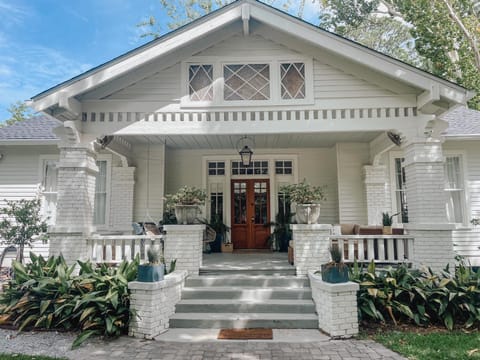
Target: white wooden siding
{"x": 19, "y": 171}
{"x": 148, "y": 194}
{"x": 351, "y": 157}
{"x": 165, "y": 86}
{"x": 331, "y": 83}
{"x": 467, "y": 244}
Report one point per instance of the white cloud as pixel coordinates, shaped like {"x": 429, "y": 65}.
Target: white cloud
{"x": 28, "y": 70}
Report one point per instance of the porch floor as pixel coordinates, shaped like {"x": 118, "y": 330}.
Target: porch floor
{"x": 246, "y": 261}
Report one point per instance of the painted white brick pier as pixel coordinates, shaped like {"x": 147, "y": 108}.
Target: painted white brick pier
{"x": 311, "y": 243}
{"x": 185, "y": 244}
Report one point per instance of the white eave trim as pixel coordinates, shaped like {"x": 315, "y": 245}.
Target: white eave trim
{"x": 462, "y": 137}
{"x": 29, "y": 142}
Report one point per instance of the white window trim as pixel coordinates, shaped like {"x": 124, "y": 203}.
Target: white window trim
{"x": 218, "y": 85}
{"x": 466, "y": 198}
{"x": 41, "y": 159}
{"x": 393, "y": 184}
{"x": 108, "y": 159}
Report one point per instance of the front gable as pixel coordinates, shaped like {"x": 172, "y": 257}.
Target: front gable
{"x": 338, "y": 73}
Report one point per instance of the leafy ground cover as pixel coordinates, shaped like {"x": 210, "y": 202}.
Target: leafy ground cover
{"x": 46, "y": 294}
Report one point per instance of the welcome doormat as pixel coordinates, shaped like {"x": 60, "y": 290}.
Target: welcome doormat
{"x": 245, "y": 334}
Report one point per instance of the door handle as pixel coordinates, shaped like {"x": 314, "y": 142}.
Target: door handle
{"x": 253, "y": 219}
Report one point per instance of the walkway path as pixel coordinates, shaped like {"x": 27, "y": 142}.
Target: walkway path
{"x": 58, "y": 344}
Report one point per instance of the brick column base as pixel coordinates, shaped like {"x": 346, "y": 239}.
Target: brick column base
{"x": 185, "y": 243}
{"x": 336, "y": 306}
{"x": 153, "y": 303}
{"x": 311, "y": 243}
{"x": 433, "y": 245}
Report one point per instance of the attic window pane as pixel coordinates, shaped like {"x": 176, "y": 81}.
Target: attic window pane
{"x": 200, "y": 82}
{"x": 246, "y": 82}
{"x": 292, "y": 77}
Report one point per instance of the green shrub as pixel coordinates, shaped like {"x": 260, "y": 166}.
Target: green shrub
{"x": 421, "y": 296}
{"x": 46, "y": 294}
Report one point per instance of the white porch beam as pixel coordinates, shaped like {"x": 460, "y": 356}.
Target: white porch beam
{"x": 261, "y": 127}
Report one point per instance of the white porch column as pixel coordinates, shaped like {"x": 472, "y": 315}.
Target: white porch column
{"x": 311, "y": 243}
{"x": 122, "y": 198}
{"x": 185, "y": 244}
{"x": 77, "y": 173}
{"x": 425, "y": 184}
{"x": 375, "y": 192}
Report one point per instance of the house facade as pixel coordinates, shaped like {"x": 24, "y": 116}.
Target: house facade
{"x": 310, "y": 104}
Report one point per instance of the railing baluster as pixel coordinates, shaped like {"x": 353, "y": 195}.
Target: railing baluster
{"x": 401, "y": 249}
{"x": 390, "y": 249}
{"x": 361, "y": 250}
{"x": 351, "y": 249}
{"x": 381, "y": 249}
{"x": 370, "y": 250}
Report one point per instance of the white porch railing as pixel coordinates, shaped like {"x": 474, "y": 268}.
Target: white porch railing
{"x": 379, "y": 248}
{"x": 115, "y": 248}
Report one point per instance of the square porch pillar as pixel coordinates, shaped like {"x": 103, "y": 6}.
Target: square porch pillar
{"x": 311, "y": 243}
{"x": 375, "y": 192}
{"x": 185, "y": 244}
{"x": 425, "y": 193}
{"x": 77, "y": 171}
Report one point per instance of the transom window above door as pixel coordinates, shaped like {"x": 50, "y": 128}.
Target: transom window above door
{"x": 221, "y": 83}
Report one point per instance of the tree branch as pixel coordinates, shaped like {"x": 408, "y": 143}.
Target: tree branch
{"x": 469, "y": 37}
{"x": 391, "y": 9}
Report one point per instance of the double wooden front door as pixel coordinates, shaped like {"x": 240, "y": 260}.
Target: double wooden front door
{"x": 250, "y": 214}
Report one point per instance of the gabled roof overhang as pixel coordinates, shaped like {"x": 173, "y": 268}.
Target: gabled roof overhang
{"x": 435, "y": 94}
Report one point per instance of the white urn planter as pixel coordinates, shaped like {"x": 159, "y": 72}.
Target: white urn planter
{"x": 307, "y": 213}
{"x": 186, "y": 214}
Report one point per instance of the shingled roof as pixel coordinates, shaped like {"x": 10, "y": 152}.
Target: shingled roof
{"x": 35, "y": 128}
{"x": 462, "y": 122}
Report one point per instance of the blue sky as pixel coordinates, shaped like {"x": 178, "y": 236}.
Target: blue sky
{"x": 45, "y": 42}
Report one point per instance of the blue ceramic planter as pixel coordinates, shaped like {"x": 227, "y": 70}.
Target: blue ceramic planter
{"x": 150, "y": 273}
{"x": 335, "y": 274}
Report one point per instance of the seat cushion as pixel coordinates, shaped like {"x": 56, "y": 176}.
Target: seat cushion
{"x": 349, "y": 229}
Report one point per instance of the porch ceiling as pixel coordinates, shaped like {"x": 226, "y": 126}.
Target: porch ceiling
{"x": 279, "y": 141}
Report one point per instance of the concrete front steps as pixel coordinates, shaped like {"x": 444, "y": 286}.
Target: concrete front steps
{"x": 246, "y": 301}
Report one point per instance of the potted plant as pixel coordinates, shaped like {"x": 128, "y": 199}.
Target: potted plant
{"x": 217, "y": 224}
{"x": 307, "y": 199}
{"x": 186, "y": 202}
{"x": 387, "y": 221}
{"x": 336, "y": 271}
{"x": 154, "y": 269}
{"x": 475, "y": 221}
{"x": 281, "y": 233}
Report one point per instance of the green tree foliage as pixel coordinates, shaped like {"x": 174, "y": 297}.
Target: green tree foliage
{"x": 21, "y": 224}
{"x": 18, "y": 112}
{"x": 446, "y": 33}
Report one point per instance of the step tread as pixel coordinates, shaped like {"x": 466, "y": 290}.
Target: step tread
{"x": 246, "y": 276}
{"x": 245, "y": 288}
{"x": 241, "y": 302}
{"x": 244, "y": 316}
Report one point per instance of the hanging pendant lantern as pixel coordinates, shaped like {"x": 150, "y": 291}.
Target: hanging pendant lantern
{"x": 245, "y": 151}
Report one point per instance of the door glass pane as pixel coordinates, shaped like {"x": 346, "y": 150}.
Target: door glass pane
{"x": 240, "y": 203}
{"x": 260, "y": 202}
